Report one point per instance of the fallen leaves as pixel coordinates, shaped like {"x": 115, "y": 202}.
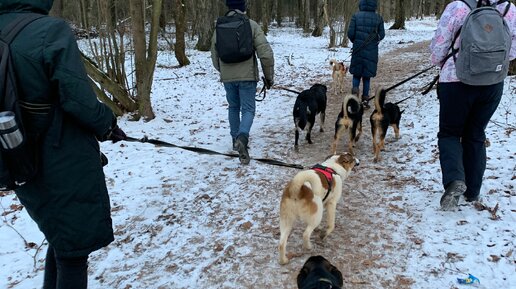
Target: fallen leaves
{"x": 493, "y": 211}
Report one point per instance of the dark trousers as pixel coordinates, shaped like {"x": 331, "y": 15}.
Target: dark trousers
{"x": 464, "y": 112}
{"x": 65, "y": 273}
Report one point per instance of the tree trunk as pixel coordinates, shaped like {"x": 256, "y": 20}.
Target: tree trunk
{"x": 265, "y": 16}
{"x": 145, "y": 58}
{"x": 116, "y": 90}
{"x": 321, "y": 18}
{"x": 279, "y": 12}
{"x": 57, "y": 9}
{"x": 180, "y": 47}
{"x": 205, "y": 25}
{"x": 399, "y": 22}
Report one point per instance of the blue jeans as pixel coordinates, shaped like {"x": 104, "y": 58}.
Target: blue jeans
{"x": 366, "y": 81}
{"x": 464, "y": 112}
{"x": 241, "y": 99}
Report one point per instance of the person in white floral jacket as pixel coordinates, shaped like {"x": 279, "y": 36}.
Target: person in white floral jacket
{"x": 465, "y": 110}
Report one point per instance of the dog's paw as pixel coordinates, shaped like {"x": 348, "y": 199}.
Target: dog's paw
{"x": 283, "y": 260}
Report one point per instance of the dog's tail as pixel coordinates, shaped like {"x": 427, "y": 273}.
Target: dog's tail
{"x": 351, "y": 105}
{"x": 379, "y": 99}
{"x": 295, "y": 187}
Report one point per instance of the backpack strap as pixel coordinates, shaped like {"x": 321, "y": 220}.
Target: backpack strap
{"x": 472, "y": 3}
{"x": 12, "y": 29}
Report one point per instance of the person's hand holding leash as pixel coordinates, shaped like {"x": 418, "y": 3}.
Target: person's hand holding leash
{"x": 116, "y": 135}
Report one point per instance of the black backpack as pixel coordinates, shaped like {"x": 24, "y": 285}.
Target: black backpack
{"x": 17, "y": 161}
{"x": 234, "y": 38}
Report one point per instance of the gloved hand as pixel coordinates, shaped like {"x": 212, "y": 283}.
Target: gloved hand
{"x": 269, "y": 83}
{"x": 116, "y": 135}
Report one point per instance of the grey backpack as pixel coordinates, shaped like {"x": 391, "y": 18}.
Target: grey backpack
{"x": 485, "y": 43}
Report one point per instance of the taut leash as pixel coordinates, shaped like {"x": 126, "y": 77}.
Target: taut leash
{"x": 404, "y": 81}
{"x": 211, "y": 152}
{"x": 409, "y": 78}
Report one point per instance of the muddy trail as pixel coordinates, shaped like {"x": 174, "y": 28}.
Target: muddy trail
{"x": 370, "y": 213}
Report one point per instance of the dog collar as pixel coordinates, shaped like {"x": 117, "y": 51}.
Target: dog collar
{"x": 328, "y": 174}
{"x": 329, "y": 282}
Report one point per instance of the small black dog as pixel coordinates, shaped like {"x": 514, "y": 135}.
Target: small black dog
{"x": 308, "y": 104}
{"x": 384, "y": 115}
{"x": 350, "y": 120}
{"x": 317, "y": 272}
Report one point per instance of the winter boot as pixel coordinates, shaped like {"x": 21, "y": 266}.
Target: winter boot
{"x": 241, "y": 146}
{"x": 234, "y": 145}
{"x": 450, "y": 198}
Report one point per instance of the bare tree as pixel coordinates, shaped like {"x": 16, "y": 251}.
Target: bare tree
{"x": 205, "y": 26}
{"x": 399, "y": 22}
{"x": 321, "y": 19}
{"x": 180, "y": 47}
{"x": 145, "y": 57}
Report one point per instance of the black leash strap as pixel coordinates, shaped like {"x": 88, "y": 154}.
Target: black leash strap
{"x": 210, "y": 152}
{"x": 407, "y": 79}
{"x": 264, "y": 90}
{"x": 287, "y": 89}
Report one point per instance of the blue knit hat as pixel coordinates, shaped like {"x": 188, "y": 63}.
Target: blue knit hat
{"x": 236, "y": 4}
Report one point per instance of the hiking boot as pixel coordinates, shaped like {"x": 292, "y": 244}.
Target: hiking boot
{"x": 234, "y": 145}
{"x": 365, "y": 103}
{"x": 450, "y": 198}
{"x": 354, "y": 90}
{"x": 241, "y": 147}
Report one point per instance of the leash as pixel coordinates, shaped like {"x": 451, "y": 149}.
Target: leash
{"x": 287, "y": 89}
{"x": 210, "y": 152}
{"x": 404, "y": 81}
{"x": 264, "y": 91}
{"x": 408, "y": 79}
{"x": 369, "y": 38}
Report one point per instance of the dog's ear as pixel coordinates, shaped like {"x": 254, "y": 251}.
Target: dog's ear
{"x": 338, "y": 275}
{"x": 302, "y": 276}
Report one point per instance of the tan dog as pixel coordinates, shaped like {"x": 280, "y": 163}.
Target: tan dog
{"x": 307, "y": 193}
{"x": 339, "y": 71}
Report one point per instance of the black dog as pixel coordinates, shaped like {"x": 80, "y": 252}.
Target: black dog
{"x": 349, "y": 119}
{"x": 317, "y": 272}
{"x": 384, "y": 115}
{"x": 308, "y": 104}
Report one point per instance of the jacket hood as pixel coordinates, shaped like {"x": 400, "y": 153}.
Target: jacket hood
{"x": 37, "y": 6}
{"x": 368, "y": 5}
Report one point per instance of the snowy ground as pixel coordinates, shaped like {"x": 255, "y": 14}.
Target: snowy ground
{"x": 185, "y": 220}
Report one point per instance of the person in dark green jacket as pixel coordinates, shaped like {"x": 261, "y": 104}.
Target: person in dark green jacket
{"x": 68, "y": 198}
{"x": 240, "y": 80}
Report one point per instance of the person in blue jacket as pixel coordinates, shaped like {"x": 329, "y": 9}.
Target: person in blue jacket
{"x": 365, "y": 31}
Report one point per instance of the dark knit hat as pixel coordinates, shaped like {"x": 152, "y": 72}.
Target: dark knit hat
{"x": 236, "y": 4}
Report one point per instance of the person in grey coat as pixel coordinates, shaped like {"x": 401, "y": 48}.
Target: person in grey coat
{"x": 240, "y": 80}
{"x": 67, "y": 198}
{"x": 365, "y": 31}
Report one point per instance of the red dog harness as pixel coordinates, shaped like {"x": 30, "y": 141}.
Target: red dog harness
{"x": 328, "y": 174}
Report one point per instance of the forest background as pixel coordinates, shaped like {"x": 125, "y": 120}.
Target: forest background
{"x": 123, "y": 35}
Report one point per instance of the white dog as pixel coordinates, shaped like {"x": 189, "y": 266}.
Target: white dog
{"x": 306, "y": 194}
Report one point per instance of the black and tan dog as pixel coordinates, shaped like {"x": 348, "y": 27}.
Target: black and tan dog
{"x": 308, "y": 193}
{"x": 317, "y": 272}
{"x": 383, "y": 116}
{"x": 308, "y": 105}
{"x": 350, "y": 120}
